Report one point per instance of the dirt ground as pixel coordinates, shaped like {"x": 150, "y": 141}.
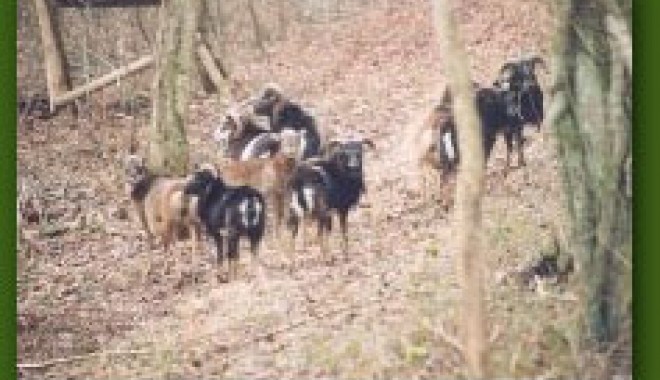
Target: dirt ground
{"x": 379, "y": 312}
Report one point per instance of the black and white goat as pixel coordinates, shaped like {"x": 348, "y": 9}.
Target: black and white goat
{"x": 284, "y": 114}
{"x": 332, "y": 183}
{"x": 230, "y": 212}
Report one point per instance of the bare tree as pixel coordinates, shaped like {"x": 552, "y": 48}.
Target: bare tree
{"x": 168, "y": 148}
{"x": 469, "y": 191}
{"x": 591, "y": 115}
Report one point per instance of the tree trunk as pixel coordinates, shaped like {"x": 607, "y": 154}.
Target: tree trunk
{"x": 168, "y": 148}
{"x": 259, "y": 35}
{"x": 469, "y": 191}
{"x": 57, "y": 80}
{"x": 591, "y": 88}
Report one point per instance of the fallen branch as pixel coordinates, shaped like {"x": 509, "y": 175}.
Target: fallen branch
{"x": 52, "y": 362}
{"x": 103, "y": 81}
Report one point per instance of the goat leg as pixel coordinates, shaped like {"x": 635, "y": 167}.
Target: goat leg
{"x": 343, "y": 225}
{"x": 509, "y": 150}
{"x": 219, "y": 251}
{"x": 256, "y": 260}
{"x": 422, "y": 183}
{"x": 520, "y": 141}
{"x": 321, "y": 235}
{"x": 293, "y": 223}
{"x": 167, "y": 244}
{"x": 232, "y": 251}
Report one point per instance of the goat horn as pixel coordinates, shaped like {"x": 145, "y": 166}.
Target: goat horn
{"x": 508, "y": 65}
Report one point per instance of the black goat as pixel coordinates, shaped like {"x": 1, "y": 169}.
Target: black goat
{"x": 500, "y": 112}
{"x": 519, "y": 77}
{"x": 284, "y": 114}
{"x": 335, "y": 182}
{"x": 231, "y": 211}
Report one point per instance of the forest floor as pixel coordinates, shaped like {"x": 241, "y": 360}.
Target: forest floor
{"x": 380, "y": 312}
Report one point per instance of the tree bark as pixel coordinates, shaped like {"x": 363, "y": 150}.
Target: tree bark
{"x": 469, "y": 191}
{"x": 168, "y": 148}
{"x": 57, "y": 80}
{"x": 593, "y": 132}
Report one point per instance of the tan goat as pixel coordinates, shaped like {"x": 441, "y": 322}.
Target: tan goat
{"x": 438, "y": 155}
{"x": 161, "y": 206}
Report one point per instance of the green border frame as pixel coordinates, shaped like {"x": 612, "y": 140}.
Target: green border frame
{"x": 646, "y": 156}
{"x": 646, "y": 184}
{"x": 8, "y": 30}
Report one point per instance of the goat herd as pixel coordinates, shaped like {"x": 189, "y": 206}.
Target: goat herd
{"x": 284, "y": 165}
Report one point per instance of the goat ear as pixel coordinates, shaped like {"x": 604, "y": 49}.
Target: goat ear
{"x": 369, "y": 143}
{"x": 536, "y": 60}
{"x": 507, "y": 68}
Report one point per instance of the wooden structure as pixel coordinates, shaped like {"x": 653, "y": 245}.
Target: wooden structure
{"x": 59, "y": 91}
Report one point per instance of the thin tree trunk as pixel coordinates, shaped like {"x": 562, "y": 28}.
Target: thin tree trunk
{"x": 57, "y": 80}
{"x": 469, "y": 191}
{"x": 259, "y": 35}
{"x": 168, "y": 148}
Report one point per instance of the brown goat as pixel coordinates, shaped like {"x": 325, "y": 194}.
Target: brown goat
{"x": 270, "y": 176}
{"x": 162, "y": 208}
{"x": 439, "y": 153}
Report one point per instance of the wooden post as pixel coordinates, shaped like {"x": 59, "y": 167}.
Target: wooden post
{"x": 56, "y": 76}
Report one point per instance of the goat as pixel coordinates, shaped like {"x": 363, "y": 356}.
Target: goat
{"x": 162, "y": 208}
{"x": 228, "y": 211}
{"x": 268, "y": 175}
{"x": 284, "y": 114}
{"x": 240, "y": 137}
{"x": 499, "y": 112}
{"x": 334, "y": 182}
{"x": 309, "y": 202}
{"x": 439, "y": 148}
{"x": 519, "y": 76}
